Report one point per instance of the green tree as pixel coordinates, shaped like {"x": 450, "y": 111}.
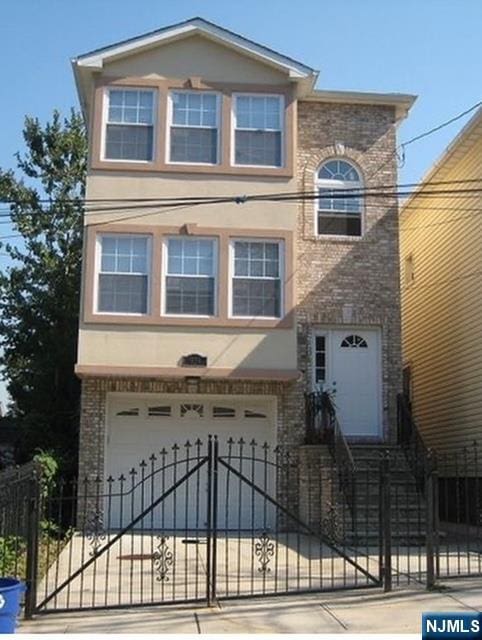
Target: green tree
{"x": 40, "y": 293}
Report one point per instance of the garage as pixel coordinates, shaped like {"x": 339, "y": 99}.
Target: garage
{"x": 146, "y": 439}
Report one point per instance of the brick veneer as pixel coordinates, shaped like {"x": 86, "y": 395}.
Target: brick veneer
{"x": 93, "y": 409}
{"x": 343, "y": 281}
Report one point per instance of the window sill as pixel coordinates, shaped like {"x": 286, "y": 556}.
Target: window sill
{"x": 192, "y": 321}
{"x": 337, "y": 239}
{"x": 168, "y": 167}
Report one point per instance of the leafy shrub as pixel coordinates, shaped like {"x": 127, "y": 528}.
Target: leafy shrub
{"x": 12, "y": 556}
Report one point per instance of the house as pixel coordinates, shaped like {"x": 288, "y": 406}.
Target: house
{"x": 441, "y": 241}
{"x": 218, "y": 287}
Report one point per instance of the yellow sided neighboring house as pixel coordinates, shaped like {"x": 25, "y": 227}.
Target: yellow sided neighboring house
{"x": 441, "y": 270}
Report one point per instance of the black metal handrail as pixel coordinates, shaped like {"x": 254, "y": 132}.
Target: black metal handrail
{"x": 322, "y": 427}
{"x": 418, "y": 455}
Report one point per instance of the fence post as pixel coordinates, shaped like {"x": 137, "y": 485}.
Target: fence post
{"x": 430, "y": 490}
{"x": 33, "y": 506}
{"x": 385, "y": 524}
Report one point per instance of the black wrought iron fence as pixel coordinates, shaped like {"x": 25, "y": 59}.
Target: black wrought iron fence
{"x": 323, "y": 427}
{"x": 212, "y": 520}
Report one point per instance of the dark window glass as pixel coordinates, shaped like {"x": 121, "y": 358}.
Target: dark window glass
{"x": 194, "y": 145}
{"x": 256, "y": 297}
{"x": 258, "y": 148}
{"x": 123, "y": 293}
{"x": 128, "y": 142}
{"x": 339, "y": 224}
{"x": 192, "y": 296}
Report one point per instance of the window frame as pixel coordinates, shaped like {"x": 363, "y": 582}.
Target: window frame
{"x": 105, "y": 115}
{"x": 165, "y": 274}
{"x": 231, "y": 276}
{"x": 282, "y": 101}
{"x": 98, "y": 272}
{"x": 346, "y": 185}
{"x": 169, "y": 124}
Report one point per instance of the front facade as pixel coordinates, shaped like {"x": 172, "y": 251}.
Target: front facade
{"x": 441, "y": 240}
{"x": 218, "y": 287}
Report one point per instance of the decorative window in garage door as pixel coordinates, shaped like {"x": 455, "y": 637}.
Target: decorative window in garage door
{"x": 254, "y": 413}
{"x": 354, "y": 341}
{"x": 224, "y": 412}
{"x": 160, "y": 411}
{"x": 192, "y": 410}
{"x": 134, "y": 411}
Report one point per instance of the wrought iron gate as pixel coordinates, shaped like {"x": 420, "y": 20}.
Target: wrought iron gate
{"x": 200, "y": 522}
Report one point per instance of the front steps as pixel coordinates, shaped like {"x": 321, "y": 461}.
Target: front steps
{"x": 407, "y": 504}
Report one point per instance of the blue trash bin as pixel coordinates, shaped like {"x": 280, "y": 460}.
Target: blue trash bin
{"x": 10, "y": 593}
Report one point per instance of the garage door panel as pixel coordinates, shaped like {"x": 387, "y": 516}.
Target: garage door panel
{"x": 135, "y": 434}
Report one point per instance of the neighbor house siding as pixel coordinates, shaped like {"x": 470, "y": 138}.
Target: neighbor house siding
{"x": 442, "y": 307}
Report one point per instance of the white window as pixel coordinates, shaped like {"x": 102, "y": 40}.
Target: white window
{"x": 194, "y": 130}
{"x": 256, "y": 282}
{"x": 258, "y": 130}
{"x": 129, "y": 125}
{"x": 190, "y": 282}
{"x": 339, "y": 205}
{"x": 122, "y": 285}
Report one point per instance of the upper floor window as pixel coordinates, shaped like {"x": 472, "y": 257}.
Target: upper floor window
{"x": 190, "y": 276}
{"x": 122, "y": 285}
{"x": 339, "y": 205}
{"x": 258, "y": 130}
{"x": 256, "y": 282}
{"x": 129, "y": 128}
{"x": 194, "y": 127}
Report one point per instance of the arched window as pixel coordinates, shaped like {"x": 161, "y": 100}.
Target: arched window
{"x": 354, "y": 342}
{"x": 339, "y": 206}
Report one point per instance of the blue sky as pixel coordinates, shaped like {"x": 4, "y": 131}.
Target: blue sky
{"x": 427, "y": 47}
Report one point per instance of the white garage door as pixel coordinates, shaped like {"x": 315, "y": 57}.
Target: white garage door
{"x": 146, "y": 438}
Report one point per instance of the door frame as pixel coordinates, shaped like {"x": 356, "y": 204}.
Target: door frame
{"x": 327, "y": 331}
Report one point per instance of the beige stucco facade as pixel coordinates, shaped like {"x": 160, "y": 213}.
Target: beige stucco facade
{"x": 441, "y": 261}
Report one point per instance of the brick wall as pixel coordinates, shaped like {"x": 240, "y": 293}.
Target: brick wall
{"x": 93, "y": 409}
{"x": 353, "y": 281}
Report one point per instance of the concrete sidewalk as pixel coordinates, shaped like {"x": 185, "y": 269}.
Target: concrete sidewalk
{"x": 368, "y": 611}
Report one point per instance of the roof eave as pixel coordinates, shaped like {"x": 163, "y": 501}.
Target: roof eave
{"x": 400, "y": 101}
{"x": 96, "y": 59}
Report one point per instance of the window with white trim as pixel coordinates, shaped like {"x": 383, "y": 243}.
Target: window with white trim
{"x": 194, "y": 127}
{"x": 123, "y": 274}
{"x": 256, "y": 280}
{"x": 258, "y": 130}
{"x": 190, "y": 282}
{"x": 339, "y": 210}
{"x": 129, "y": 126}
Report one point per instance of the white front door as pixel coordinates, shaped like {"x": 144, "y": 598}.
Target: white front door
{"x": 347, "y": 364}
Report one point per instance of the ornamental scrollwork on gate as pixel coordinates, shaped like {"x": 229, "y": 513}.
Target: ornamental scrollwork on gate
{"x": 163, "y": 559}
{"x": 264, "y": 550}
{"x": 95, "y": 531}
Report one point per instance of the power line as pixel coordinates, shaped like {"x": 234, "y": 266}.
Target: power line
{"x": 442, "y": 125}
{"x": 241, "y": 198}
{"x": 400, "y": 149}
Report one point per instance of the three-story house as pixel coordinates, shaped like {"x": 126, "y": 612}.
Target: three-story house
{"x": 223, "y": 279}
